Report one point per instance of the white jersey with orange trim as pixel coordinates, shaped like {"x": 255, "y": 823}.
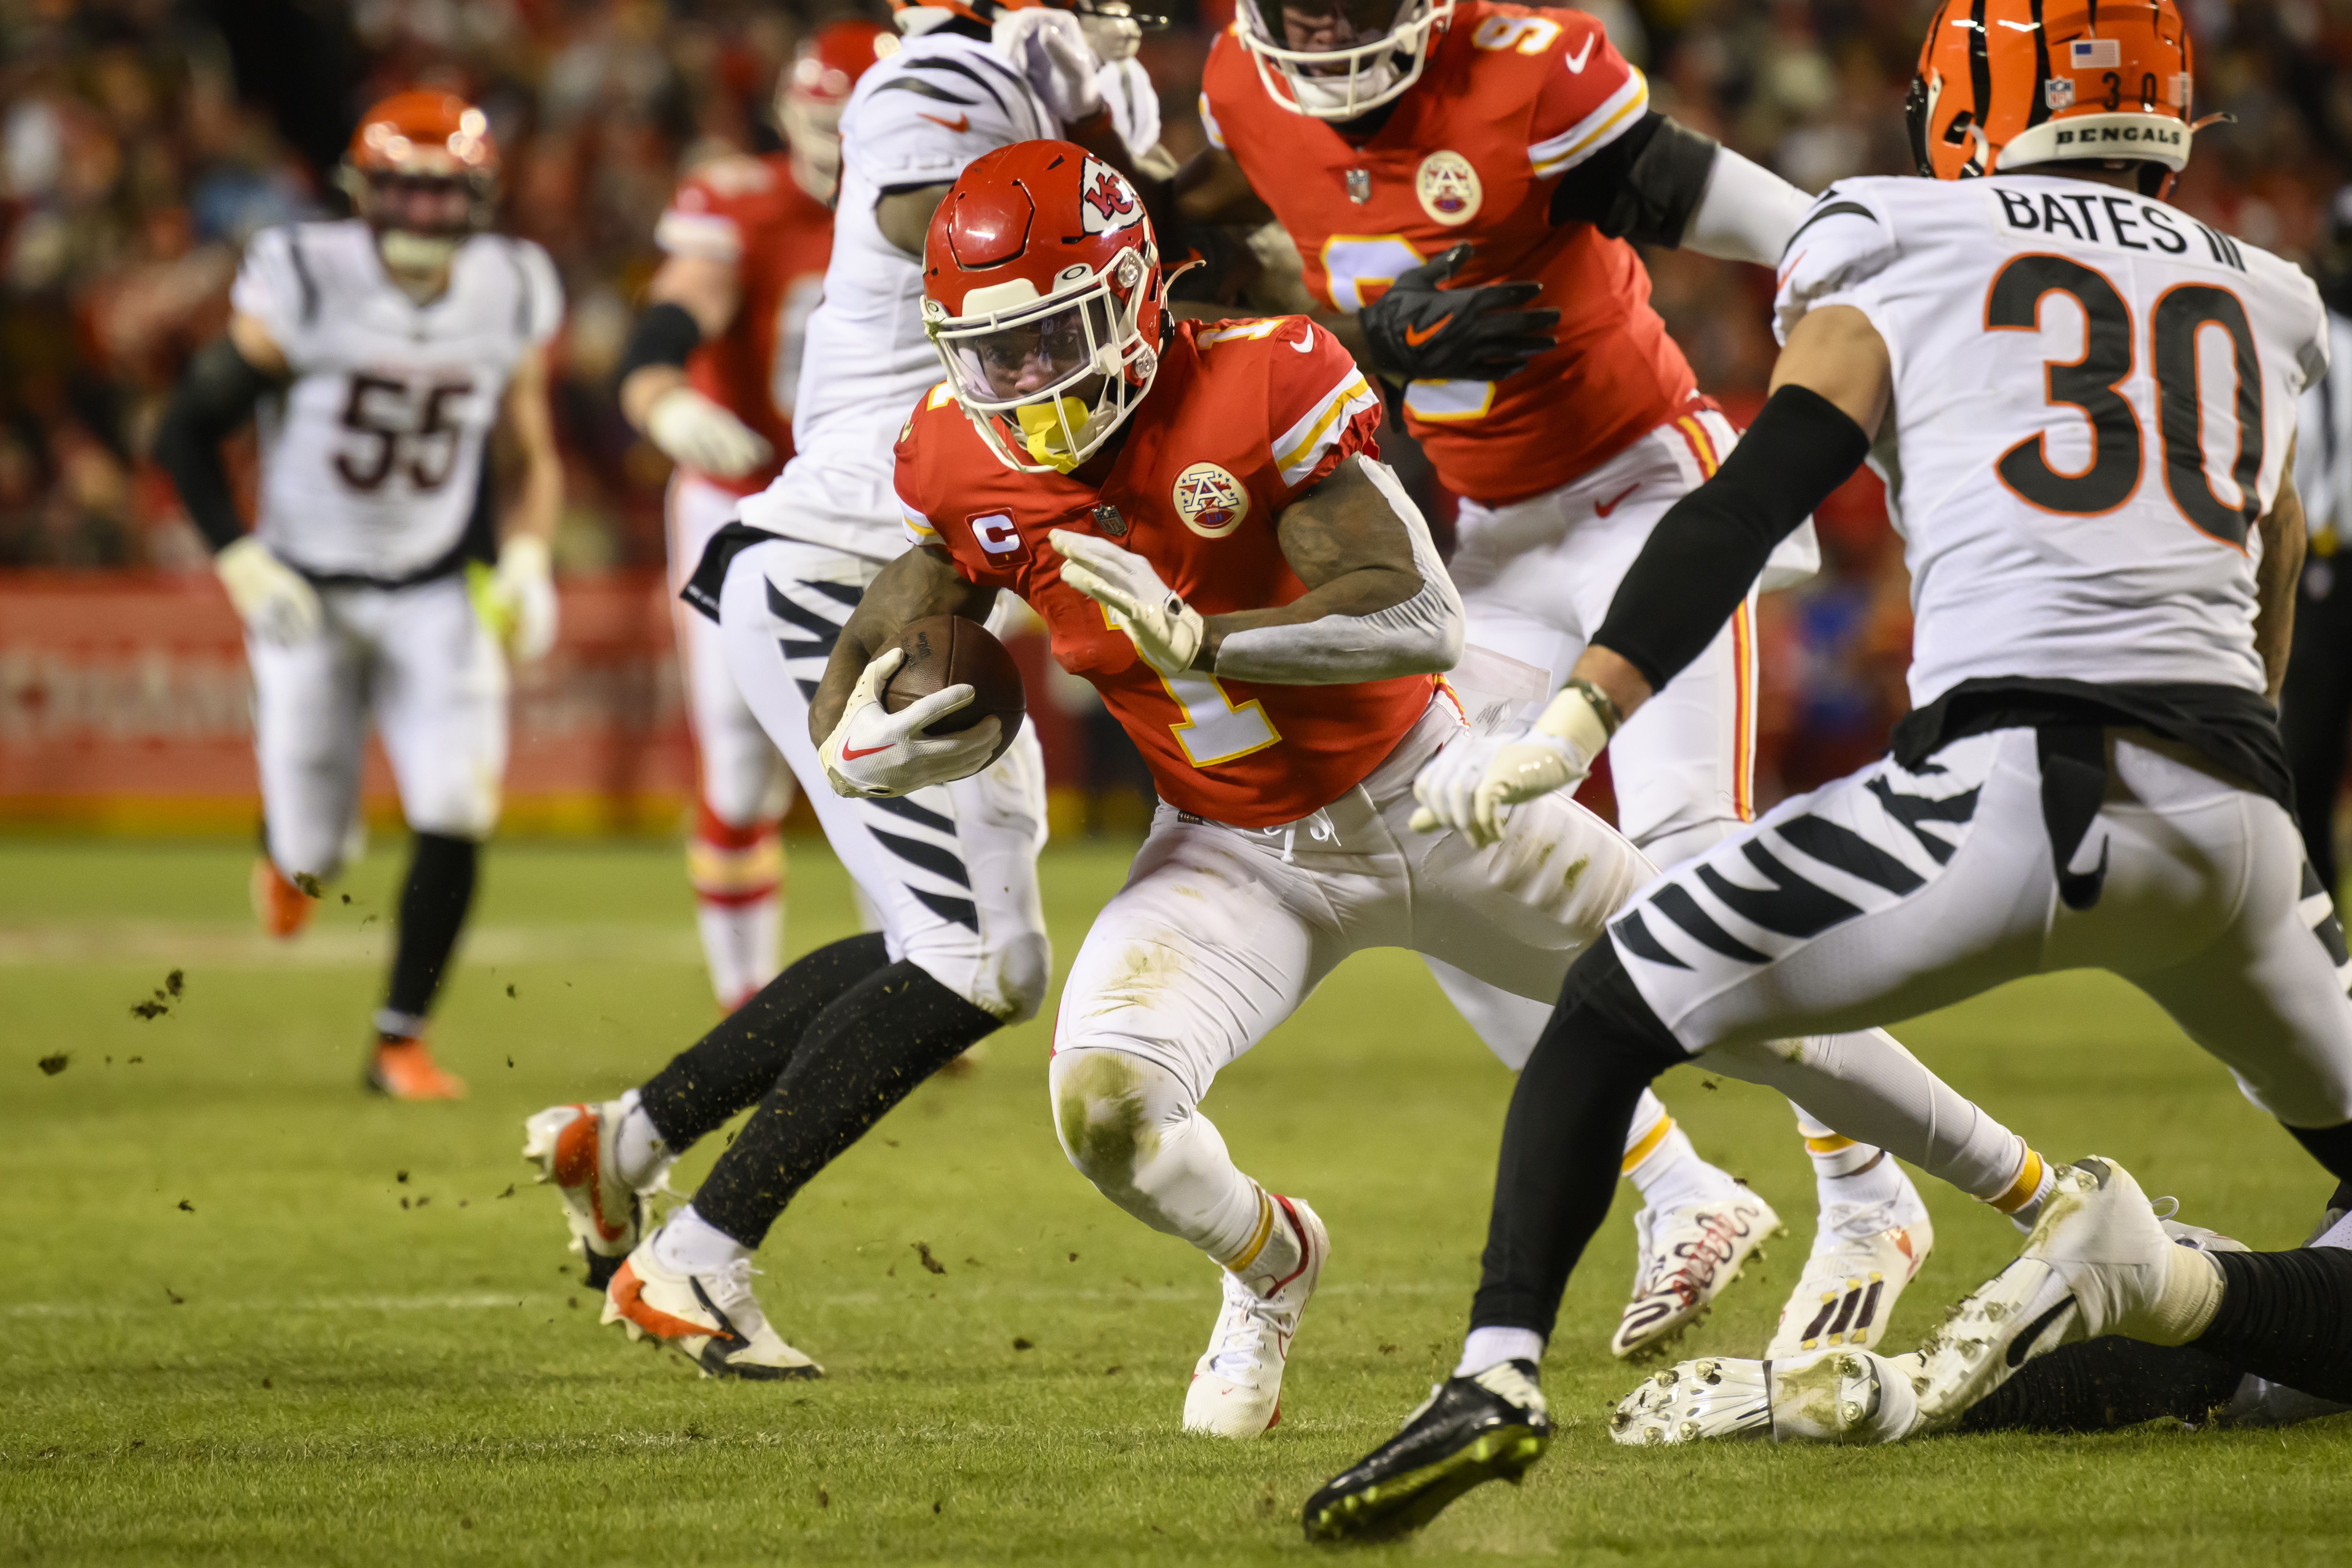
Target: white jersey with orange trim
{"x": 2095, "y": 398}
{"x": 370, "y": 458}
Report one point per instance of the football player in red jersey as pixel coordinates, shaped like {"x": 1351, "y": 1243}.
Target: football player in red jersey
{"x": 708, "y": 377}
{"x": 1198, "y": 512}
{"x": 1463, "y": 175}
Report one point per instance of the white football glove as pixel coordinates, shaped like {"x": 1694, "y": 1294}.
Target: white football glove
{"x": 873, "y": 753}
{"x": 1166, "y": 631}
{"x": 275, "y": 602}
{"x": 1134, "y": 103}
{"x": 516, "y": 601}
{"x": 692, "y": 430}
{"x": 1554, "y": 752}
{"x": 1048, "y": 47}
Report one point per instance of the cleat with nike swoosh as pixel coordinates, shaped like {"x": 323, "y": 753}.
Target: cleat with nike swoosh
{"x": 711, "y": 1318}
{"x": 1236, "y": 1388}
{"x": 2096, "y": 1262}
{"x": 1469, "y": 1431}
{"x": 573, "y": 1146}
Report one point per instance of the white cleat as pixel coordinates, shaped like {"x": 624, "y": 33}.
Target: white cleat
{"x": 1236, "y": 1388}
{"x": 573, "y": 1148}
{"x": 1829, "y": 1396}
{"x": 1687, "y": 1255}
{"x": 2097, "y": 1262}
{"x": 1863, "y": 1256}
{"x": 712, "y": 1320}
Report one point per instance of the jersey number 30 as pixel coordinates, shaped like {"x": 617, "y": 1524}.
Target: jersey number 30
{"x": 2089, "y": 383}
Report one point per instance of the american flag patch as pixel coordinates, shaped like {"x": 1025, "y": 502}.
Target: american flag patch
{"x": 2095, "y": 54}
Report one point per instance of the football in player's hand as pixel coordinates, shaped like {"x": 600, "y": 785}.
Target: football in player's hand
{"x": 949, "y": 650}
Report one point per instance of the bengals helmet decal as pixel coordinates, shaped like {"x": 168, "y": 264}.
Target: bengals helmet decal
{"x": 2006, "y": 84}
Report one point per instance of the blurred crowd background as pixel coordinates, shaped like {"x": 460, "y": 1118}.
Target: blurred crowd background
{"x": 143, "y": 140}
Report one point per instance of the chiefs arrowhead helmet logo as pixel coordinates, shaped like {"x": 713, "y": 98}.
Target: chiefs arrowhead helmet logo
{"x": 1106, "y": 201}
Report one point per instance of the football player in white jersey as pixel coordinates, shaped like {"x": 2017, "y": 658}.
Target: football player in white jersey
{"x": 2083, "y": 405}
{"x": 837, "y": 1038}
{"x": 380, "y": 352}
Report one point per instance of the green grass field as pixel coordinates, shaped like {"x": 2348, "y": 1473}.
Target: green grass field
{"x": 257, "y": 1316}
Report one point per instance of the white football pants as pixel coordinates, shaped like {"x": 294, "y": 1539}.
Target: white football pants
{"x": 950, "y": 870}
{"x": 435, "y": 681}
{"x": 1221, "y": 932}
{"x": 743, "y": 781}
{"x": 1888, "y": 893}
{"x": 1536, "y": 578}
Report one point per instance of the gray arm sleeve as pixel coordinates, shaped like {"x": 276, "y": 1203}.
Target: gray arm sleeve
{"x": 1422, "y": 636}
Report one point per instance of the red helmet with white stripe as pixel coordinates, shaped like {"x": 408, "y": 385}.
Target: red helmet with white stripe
{"x": 815, "y": 88}
{"x": 1042, "y": 292}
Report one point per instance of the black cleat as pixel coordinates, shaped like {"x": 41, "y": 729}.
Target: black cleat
{"x": 1470, "y": 1430}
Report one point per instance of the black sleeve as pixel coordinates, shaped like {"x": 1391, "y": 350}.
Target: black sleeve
{"x": 662, "y": 334}
{"x": 1644, "y": 185}
{"x": 1707, "y": 552}
{"x": 2102, "y": 1384}
{"x": 215, "y": 396}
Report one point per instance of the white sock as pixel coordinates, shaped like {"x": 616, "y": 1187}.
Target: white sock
{"x": 1671, "y": 1173}
{"x": 2035, "y": 1177}
{"x": 689, "y": 1244}
{"x": 739, "y": 941}
{"x": 1491, "y": 1347}
{"x": 1277, "y": 1257}
{"x": 1875, "y": 1091}
{"x": 1845, "y": 1171}
{"x": 639, "y": 1155}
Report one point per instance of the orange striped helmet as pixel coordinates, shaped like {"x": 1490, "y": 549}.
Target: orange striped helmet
{"x": 2004, "y": 84}
{"x": 407, "y": 151}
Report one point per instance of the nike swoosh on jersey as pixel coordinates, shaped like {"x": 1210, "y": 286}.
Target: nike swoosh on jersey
{"x": 1305, "y": 342}
{"x": 1416, "y": 336}
{"x": 850, "y": 754}
{"x": 1603, "y": 507}
{"x": 1575, "y": 61}
{"x": 2022, "y": 1345}
{"x": 959, "y": 124}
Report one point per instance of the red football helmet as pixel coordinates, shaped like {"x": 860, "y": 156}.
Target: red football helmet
{"x": 2014, "y": 83}
{"x": 1042, "y": 292}
{"x": 813, "y": 90}
{"x": 423, "y": 170}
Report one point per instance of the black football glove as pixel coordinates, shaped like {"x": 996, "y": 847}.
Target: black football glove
{"x": 1419, "y": 331}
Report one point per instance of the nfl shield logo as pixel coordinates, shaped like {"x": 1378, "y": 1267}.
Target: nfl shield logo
{"x": 2058, "y": 92}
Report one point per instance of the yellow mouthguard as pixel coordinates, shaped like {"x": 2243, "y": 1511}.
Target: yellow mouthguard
{"x": 1042, "y": 425}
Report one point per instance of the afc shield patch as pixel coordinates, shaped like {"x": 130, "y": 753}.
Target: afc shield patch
{"x": 1211, "y": 502}
{"x": 1448, "y": 188}
{"x": 1107, "y": 203}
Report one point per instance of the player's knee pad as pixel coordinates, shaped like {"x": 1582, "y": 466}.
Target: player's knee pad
{"x": 1006, "y": 978}
{"x": 1112, "y": 1111}
{"x": 454, "y": 807}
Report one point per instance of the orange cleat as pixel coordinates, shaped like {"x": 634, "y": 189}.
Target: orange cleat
{"x": 282, "y": 908}
{"x": 405, "y": 1069}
